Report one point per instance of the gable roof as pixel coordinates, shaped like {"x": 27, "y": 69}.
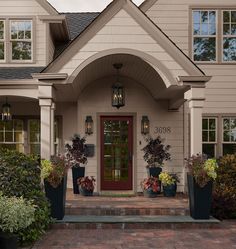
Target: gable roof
{"x": 143, "y": 20}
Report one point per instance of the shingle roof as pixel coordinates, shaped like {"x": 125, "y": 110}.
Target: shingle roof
{"x": 18, "y": 72}
{"x": 77, "y": 23}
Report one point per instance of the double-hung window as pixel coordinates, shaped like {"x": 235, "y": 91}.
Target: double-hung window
{"x": 229, "y": 35}
{"x": 204, "y": 35}
{"x": 2, "y": 40}
{"x": 229, "y": 135}
{"x": 209, "y": 136}
{"x": 21, "y": 40}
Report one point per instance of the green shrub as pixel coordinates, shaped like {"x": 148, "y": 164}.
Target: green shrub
{"x": 15, "y": 213}
{"x": 224, "y": 194}
{"x": 20, "y": 176}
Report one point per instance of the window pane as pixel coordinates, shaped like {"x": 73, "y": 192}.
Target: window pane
{"x": 21, "y": 50}
{"x": 1, "y": 125}
{"x": 232, "y": 123}
{"x": 233, "y": 29}
{"x": 212, "y": 29}
{"x": 18, "y": 125}
{"x": 204, "y": 16}
{"x": 204, "y": 29}
{"x": 212, "y": 17}
{"x": 35, "y": 149}
{"x": 226, "y": 136}
{"x": 226, "y": 16}
{"x": 204, "y": 49}
{"x": 233, "y": 16}
{"x": 196, "y": 30}
{"x": 8, "y": 146}
{"x": 212, "y": 136}
{"x": 14, "y": 29}
{"x": 212, "y": 124}
{"x": 205, "y": 136}
{"x": 229, "y": 49}
{"x": 226, "y": 29}
{"x": 1, "y": 137}
{"x": 209, "y": 150}
{"x": 205, "y": 124}
{"x": 34, "y": 137}
{"x": 196, "y": 17}
{"x": 1, "y": 50}
{"x": 229, "y": 149}
{"x": 9, "y": 125}
{"x": 226, "y": 124}
{"x": 8, "y": 136}
{"x": 34, "y": 125}
{"x": 18, "y": 137}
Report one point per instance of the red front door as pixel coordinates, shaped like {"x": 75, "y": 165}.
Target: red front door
{"x": 116, "y": 152}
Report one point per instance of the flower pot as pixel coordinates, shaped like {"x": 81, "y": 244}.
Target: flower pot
{"x": 170, "y": 190}
{"x": 85, "y": 192}
{"x": 199, "y": 199}
{"x": 155, "y": 172}
{"x": 149, "y": 193}
{"x": 77, "y": 172}
{"x": 57, "y": 198}
{"x": 8, "y": 241}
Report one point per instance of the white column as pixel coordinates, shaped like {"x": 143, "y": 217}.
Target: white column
{"x": 196, "y": 99}
{"x": 45, "y": 118}
{"x": 53, "y": 107}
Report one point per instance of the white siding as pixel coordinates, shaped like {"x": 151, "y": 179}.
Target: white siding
{"x": 51, "y": 48}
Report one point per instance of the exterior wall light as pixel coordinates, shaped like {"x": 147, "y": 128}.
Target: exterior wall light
{"x": 118, "y": 92}
{"x": 89, "y": 125}
{"x": 145, "y": 125}
{"x": 6, "y": 111}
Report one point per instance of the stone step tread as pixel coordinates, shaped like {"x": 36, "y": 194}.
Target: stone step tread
{"x": 134, "y": 219}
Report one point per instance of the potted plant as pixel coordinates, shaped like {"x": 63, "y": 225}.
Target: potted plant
{"x": 86, "y": 185}
{"x": 76, "y": 156}
{"x": 16, "y": 214}
{"x": 201, "y": 174}
{"x": 169, "y": 183}
{"x": 150, "y": 187}
{"x": 54, "y": 174}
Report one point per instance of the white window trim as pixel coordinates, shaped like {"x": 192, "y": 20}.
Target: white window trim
{"x": 225, "y": 36}
{"x": 204, "y": 36}
{"x": 21, "y": 40}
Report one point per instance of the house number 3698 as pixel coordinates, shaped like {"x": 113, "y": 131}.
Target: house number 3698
{"x": 162, "y": 130}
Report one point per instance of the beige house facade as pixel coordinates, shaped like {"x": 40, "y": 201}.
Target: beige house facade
{"x": 178, "y": 69}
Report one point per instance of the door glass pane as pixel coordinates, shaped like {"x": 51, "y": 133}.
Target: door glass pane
{"x": 115, "y": 150}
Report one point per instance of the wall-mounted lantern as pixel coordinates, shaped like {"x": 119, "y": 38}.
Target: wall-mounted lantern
{"x": 6, "y": 111}
{"x": 145, "y": 125}
{"x": 118, "y": 92}
{"x": 89, "y": 125}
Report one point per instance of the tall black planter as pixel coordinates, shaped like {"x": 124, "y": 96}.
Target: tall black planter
{"x": 77, "y": 172}
{"x": 57, "y": 198}
{"x": 155, "y": 172}
{"x": 199, "y": 199}
{"x": 8, "y": 241}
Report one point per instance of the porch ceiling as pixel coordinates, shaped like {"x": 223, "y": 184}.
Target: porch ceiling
{"x": 134, "y": 68}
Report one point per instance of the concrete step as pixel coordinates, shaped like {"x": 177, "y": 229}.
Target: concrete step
{"x": 106, "y": 210}
{"x": 133, "y": 222}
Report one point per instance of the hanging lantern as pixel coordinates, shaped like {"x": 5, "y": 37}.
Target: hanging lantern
{"x": 118, "y": 92}
{"x": 89, "y": 125}
{"x": 6, "y": 111}
{"x": 145, "y": 125}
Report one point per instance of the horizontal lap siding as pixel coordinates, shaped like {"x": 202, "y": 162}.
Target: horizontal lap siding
{"x": 14, "y": 8}
{"x": 173, "y": 18}
{"x": 122, "y": 31}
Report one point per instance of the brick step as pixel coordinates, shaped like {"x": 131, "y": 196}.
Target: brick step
{"x": 134, "y": 222}
{"x": 117, "y": 211}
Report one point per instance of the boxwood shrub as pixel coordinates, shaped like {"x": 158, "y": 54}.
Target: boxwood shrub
{"x": 20, "y": 176}
{"x": 224, "y": 194}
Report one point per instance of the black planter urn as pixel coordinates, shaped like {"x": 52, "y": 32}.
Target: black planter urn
{"x": 150, "y": 193}
{"x": 57, "y": 198}
{"x": 77, "y": 172}
{"x": 199, "y": 199}
{"x": 85, "y": 192}
{"x": 8, "y": 241}
{"x": 170, "y": 190}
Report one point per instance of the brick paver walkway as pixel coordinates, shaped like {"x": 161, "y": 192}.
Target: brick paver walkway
{"x": 221, "y": 238}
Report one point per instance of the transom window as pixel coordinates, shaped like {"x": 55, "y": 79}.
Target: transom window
{"x": 209, "y": 136}
{"x": 229, "y": 35}
{"x": 204, "y": 35}
{"x": 2, "y": 40}
{"x": 21, "y": 40}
